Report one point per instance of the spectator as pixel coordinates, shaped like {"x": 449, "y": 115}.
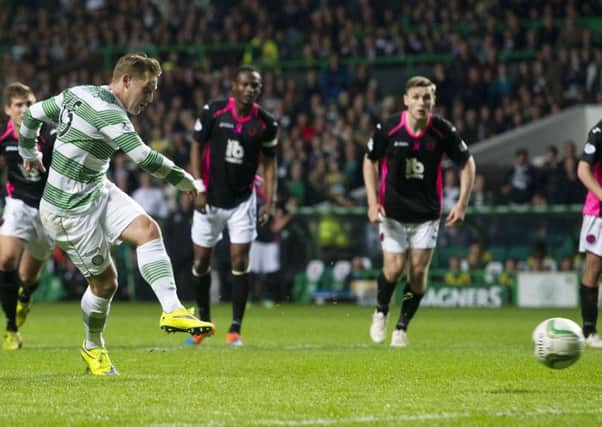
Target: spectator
{"x": 451, "y": 190}
{"x": 519, "y": 185}
{"x": 552, "y": 183}
{"x": 151, "y": 197}
{"x": 454, "y": 275}
{"x": 481, "y": 196}
{"x": 508, "y": 275}
{"x": 477, "y": 258}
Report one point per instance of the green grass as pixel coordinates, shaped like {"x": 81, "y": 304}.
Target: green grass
{"x": 301, "y": 366}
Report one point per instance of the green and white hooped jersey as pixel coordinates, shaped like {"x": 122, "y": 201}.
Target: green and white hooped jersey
{"x": 92, "y": 125}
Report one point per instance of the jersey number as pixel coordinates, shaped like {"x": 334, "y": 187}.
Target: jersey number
{"x": 414, "y": 169}
{"x": 234, "y": 152}
{"x": 66, "y": 118}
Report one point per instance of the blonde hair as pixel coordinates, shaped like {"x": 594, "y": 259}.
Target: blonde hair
{"x": 15, "y": 90}
{"x": 136, "y": 65}
{"x": 420, "y": 81}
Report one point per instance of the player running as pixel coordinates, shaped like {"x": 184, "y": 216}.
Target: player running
{"x": 24, "y": 244}
{"x": 405, "y": 153}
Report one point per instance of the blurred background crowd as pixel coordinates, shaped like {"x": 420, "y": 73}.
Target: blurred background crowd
{"x": 331, "y": 70}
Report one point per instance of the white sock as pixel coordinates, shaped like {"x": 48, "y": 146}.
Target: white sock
{"x": 95, "y": 311}
{"x": 155, "y": 268}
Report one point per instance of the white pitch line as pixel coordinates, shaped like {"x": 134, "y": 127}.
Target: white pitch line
{"x": 422, "y": 417}
{"x": 369, "y": 419}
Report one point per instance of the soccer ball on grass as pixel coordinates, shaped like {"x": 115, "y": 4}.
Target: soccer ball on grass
{"x": 558, "y": 342}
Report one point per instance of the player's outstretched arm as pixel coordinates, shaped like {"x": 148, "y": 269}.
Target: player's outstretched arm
{"x": 370, "y": 172}
{"x": 117, "y": 127}
{"x": 161, "y": 167}
{"x": 467, "y": 177}
{"x": 46, "y": 111}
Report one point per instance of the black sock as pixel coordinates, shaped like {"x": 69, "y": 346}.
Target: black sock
{"x": 202, "y": 290}
{"x": 9, "y": 289}
{"x": 240, "y": 294}
{"x": 589, "y": 308}
{"x": 384, "y": 292}
{"x": 27, "y": 292}
{"x": 410, "y": 304}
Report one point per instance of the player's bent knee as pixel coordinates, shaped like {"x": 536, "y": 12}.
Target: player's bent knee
{"x": 392, "y": 275}
{"x": 240, "y": 265}
{"x": 151, "y": 229}
{"x": 201, "y": 268}
{"x": 8, "y": 263}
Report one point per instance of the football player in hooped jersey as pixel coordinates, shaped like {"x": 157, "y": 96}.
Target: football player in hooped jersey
{"x": 24, "y": 245}
{"x": 230, "y": 138}
{"x": 404, "y": 158}
{"x": 590, "y": 241}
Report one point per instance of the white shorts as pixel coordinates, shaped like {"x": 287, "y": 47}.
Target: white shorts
{"x": 241, "y": 221}
{"x": 264, "y": 257}
{"x": 23, "y": 222}
{"x": 590, "y": 239}
{"x": 398, "y": 237}
{"x": 87, "y": 237}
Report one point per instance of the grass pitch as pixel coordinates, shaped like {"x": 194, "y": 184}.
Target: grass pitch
{"x": 301, "y": 366}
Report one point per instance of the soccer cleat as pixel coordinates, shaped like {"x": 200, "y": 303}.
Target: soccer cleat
{"x": 378, "y": 328}
{"x": 593, "y": 341}
{"x": 98, "y": 361}
{"x": 23, "y": 309}
{"x": 399, "y": 338}
{"x": 233, "y": 339}
{"x": 193, "y": 340}
{"x": 181, "y": 320}
{"x": 12, "y": 341}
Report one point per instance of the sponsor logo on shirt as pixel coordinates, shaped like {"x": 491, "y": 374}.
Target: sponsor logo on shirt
{"x": 226, "y": 125}
{"x": 400, "y": 144}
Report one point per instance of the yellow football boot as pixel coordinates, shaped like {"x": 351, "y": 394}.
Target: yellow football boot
{"x": 12, "y": 341}
{"x": 23, "y": 309}
{"x": 98, "y": 361}
{"x": 182, "y": 320}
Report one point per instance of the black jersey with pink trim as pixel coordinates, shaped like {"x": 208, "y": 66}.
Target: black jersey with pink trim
{"x": 23, "y": 185}
{"x": 411, "y": 185}
{"x": 232, "y": 146}
{"x": 592, "y": 154}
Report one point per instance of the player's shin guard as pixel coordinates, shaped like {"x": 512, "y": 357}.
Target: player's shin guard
{"x": 155, "y": 267}
{"x": 202, "y": 290}
{"x": 240, "y": 294}
{"x": 411, "y": 301}
{"x": 589, "y": 308}
{"x": 95, "y": 311}
{"x": 384, "y": 293}
{"x": 9, "y": 290}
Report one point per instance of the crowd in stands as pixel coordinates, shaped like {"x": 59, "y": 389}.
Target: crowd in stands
{"x": 497, "y": 65}
{"x": 532, "y": 60}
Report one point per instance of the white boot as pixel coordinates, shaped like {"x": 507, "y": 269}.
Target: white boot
{"x": 378, "y": 328}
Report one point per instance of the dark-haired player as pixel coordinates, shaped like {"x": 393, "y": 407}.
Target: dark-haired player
{"x": 402, "y": 174}
{"x": 231, "y": 137}
{"x": 24, "y": 244}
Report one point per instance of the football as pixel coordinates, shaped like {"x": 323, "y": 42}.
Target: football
{"x": 558, "y": 342}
